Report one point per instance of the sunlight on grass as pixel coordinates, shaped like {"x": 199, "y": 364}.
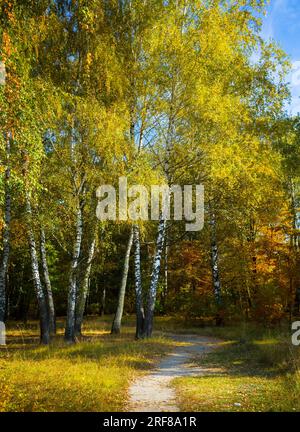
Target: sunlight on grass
{"x": 253, "y": 369}
{"x": 258, "y": 373}
{"x": 92, "y": 375}
{"x": 265, "y": 342}
{"x": 234, "y": 393}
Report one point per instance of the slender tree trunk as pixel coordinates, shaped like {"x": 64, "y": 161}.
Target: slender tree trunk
{"x": 293, "y": 206}
{"x": 50, "y": 302}
{"x": 251, "y": 239}
{"x": 296, "y": 308}
{"x": 294, "y": 246}
{"x": 83, "y": 291}
{"x": 116, "y": 325}
{"x": 165, "y": 290}
{"x": 140, "y": 314}
{"x": 6, "y": 236}
{"x": 215, "y": 267}
{"x": 43, "y": 312}
{"x": 103, "y": 301}
{"x": 154, "y": 278}
{"x": 249, "y": 298}
{"x": 71, "y": 309}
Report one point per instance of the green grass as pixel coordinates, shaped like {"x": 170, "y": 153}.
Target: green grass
{"x": 252, "y": 370}
{"x": 92, "y": 375}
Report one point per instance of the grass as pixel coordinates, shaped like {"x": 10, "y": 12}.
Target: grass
{"x": 92, "y": 375}
{"x": 252, "y": 370}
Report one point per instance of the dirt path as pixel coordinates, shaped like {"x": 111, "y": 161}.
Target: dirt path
{"x": 153, "y": 392}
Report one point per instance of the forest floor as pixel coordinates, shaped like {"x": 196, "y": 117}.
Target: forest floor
{"x": 154, "y": 392}
{"x": 252, "y": 369}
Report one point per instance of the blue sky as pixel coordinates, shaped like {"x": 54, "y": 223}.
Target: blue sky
{"x": 282, "y": 24}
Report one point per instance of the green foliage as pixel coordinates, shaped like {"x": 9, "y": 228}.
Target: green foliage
{"x": 160, "y": 92}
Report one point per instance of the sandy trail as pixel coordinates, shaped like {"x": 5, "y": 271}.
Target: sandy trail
{"x": 153, "y": 392}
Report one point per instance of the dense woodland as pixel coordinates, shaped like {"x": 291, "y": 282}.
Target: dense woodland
{"x": 163, "y": 92}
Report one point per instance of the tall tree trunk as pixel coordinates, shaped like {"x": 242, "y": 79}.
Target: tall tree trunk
{"x": 71, "y": 308}
{"x": 43, "y": 312}
{"x": 293, "y": 206}
{"x": 116, "y": 325}
{"x": 296, "y": 308}
{"x": 294, "y": 247}
{"x": 6, "y": 236}
{"x": 251, "y": 240}
{"x": 83, "y": 289}
{"x": 103, "y": 301}
{"x": 165, "y": 290}
{"x": 154, "y": 278}
{"x": 50, "y": 302}
{"x": 215, "y": 267}
{"x": 140, "y": 314}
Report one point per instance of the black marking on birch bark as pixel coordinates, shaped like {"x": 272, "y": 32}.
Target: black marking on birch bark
{"x": 71, "y": 310}
{"x": 140, "y": 314}
{"x": 50, "y": 302}
{"x": 83, "y": 289}
{"x": 116, "y": 325}
{"x": 215, "y": 260}
{"x": 154, "y": 278}
{"x": 44, "y": 318}
{"x": 6, "y": 234}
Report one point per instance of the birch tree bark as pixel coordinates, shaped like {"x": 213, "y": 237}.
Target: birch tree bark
{"x": 50, "y": 302}
{"x": 154, "y": 277}
{"x": 83, "y": 289}
{"x": 116, "y": 325}
{"x": 140, "y": 314}
{"x": 215, "y": 266}
{"x": 6, "y": 235}
{"x": 165, "y": 290}
{"x": 44, "y": 318}
{"x": 71, "y": 308}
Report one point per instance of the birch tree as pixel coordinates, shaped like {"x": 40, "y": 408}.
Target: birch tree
{"x": 83, "y": 286}
{"x": 46, "y": 277}
{"x": 140, "y": 314}
{"x": 116, "y": 325}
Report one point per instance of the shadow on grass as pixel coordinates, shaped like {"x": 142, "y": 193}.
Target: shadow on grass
{"x": 119, "y": 349}
{"x": 254, "y": 374}
{"x": 251, "y": 358}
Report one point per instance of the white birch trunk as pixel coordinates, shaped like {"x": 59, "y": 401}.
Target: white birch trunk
{"x": 215, "y": 266}
{"x": 44, "y": 319}
{"x": 83, "y": 290}
{"x": 140, "y": 315}
{"x": 6, "y": 236}
{"x": 165, "y": 291}
{"x": 116, "y": 325}
{"x": 71, "y": 308}
{"x": 50, "y": 302}
{"x": 154, "y": 277}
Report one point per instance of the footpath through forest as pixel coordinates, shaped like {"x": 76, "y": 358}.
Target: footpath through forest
{"x": 154, "y": 392}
